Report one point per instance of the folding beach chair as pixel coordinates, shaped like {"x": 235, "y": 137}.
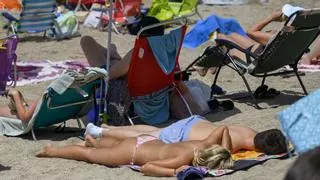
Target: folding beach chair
{"x": 123, "y": 9}
{"x": 8, "y": 59}
{"x": 286, "y": 48}
{"x": 37, "y": 16}
{"x": 145, "y": 76}
{"x": 68, "y": 97}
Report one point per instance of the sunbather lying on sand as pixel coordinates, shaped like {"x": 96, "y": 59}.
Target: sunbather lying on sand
{"x": 155, "y": 157}
{"x": 258, "y": 39}
{"x": 18, "y": 107}
{"x": 198, "y": 128}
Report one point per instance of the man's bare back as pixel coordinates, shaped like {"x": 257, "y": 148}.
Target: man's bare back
{"x": 241, "y": 136}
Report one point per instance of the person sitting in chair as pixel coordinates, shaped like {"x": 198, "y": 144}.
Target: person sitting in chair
{"x": 198, "y": 128}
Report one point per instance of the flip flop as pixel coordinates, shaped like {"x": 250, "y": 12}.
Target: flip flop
{"x": 224, "y": 105}
{"x": 271, "y": 93}
{"x": 260, "y": 91}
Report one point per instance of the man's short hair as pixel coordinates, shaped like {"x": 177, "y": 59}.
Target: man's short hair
{"x": 143, "y": 22}
{"x": 271, "y": 142}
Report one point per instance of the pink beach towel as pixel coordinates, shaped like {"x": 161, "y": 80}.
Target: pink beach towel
{"x": 30, "y": 72}
{"x": 309, "y": 68}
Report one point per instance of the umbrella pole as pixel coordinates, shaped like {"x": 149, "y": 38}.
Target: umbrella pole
{"x": 103, "y": 113}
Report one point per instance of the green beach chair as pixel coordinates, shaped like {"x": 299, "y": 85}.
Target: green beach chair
{"x": 286, "y": 48}
{"x": 68, "y": 97}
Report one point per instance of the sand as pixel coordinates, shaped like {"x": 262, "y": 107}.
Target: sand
{"x": 18, "y": 153}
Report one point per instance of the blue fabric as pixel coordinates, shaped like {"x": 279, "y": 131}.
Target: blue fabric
{"x": 153, "y": 108}
{"x": 301, "y": 122}
{"x": 202, "y": 30}
{"x": 179, "y": 131}
{"x": 165, "y": 49}
{"x": 194, "y": 173}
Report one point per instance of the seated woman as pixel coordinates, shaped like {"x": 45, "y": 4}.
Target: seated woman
{"x": 18, "y": 107}
{"x": 155, "y": 157}
{"x": 198, "y": 128}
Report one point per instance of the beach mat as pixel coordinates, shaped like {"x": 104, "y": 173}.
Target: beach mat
{"x": 31, "y": 72}
{"x": 245, "y": 160}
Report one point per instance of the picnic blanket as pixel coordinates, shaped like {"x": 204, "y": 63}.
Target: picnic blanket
{"x": 30, "y": 72}
{"x": 246, "y": 159}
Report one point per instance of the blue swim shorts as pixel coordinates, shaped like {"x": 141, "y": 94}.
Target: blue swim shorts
{"x": 179, "y": 131}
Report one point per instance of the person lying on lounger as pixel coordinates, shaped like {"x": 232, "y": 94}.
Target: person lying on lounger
{"x": 198, "y": 128}
{"x": 257, "y": 39}
{"x": 155, "y": 157}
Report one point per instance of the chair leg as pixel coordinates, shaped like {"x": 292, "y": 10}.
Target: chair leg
{"x": 264, "y": 79}
{"x": 300, "y": 81}
{"x": 33, "y": 135}
{"x": 215, "y": 81}
{"x": 79, "y": 123}
{"x": 250, "y": 92}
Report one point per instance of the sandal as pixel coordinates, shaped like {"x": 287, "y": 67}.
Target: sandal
{"x": 224, "y": 105}
{"x": 263, "y": 92}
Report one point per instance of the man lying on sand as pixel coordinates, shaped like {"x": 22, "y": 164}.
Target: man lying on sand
{"x": 155, "y": 157}
{"x": 198, "y": 128}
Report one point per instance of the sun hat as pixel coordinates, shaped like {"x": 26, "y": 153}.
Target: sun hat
{"x": 288, "y": 9}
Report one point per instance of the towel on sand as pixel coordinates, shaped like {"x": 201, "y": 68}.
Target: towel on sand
{"x": 202, "y": 30}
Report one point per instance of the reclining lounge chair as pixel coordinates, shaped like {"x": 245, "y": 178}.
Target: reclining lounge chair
{"x": 68, "y": 97}
{"x": 286, "y": 48}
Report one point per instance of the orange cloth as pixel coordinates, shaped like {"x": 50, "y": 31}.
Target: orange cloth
{"x": 10, "y": 4}
{"x": 245, "y": 154}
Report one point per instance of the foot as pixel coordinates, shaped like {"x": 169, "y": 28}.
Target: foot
{"x": 305, "y": 60}
{"x": 45, "y": 151}
{"x": 93, "y": 130}
{"x": 90, "y": 141}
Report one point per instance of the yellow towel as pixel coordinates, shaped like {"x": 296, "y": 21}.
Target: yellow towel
{"x": 245, "y": 154}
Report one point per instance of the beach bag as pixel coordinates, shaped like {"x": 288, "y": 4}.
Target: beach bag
{"x": 66, "y": 26}
{"x": 197, "y": 98}
{"x": 300, "y": 122}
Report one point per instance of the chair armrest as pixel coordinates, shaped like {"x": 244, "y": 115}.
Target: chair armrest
{"x": 9, "y": 16}
{"x": 231, "y": 45}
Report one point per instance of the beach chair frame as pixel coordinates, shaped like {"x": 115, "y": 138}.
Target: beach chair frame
{"x": 161, "y": 80}
{"x": 28, "y": 23}
{"x": 55, "y": 104}
{"x": 287, "y": 47}
{"x": 10, "y": 46}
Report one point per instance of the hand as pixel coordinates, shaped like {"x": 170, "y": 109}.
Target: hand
{"x": 277, "y": 16}
{"x": 181, "y": 168}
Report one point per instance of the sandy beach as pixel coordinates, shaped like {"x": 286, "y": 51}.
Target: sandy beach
{"x": 18, "y": 153}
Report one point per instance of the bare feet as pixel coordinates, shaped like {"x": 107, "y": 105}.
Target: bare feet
{"x": 90, "y": 141}
{"x": 45, "y": 151}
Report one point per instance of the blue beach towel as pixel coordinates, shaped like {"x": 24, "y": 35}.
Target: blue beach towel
{"x": 301, "y": 122}
{"x": 202, "y": 30}
{"x": 165, "y": 49}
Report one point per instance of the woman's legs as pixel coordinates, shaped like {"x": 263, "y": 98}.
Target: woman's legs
{"x": 120, "y": 154}
{"x": 313, "y": 55}
{"x": 121, "y": 132}
{"x": 105, "y": 142}
{"x": 95, "y": 53}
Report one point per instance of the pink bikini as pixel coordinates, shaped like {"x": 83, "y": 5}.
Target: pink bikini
{"x": 140, "y": 140}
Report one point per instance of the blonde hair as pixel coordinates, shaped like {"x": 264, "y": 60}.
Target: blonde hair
{"x": 215, "y": 157}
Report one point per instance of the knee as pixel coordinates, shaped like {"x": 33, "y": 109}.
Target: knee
{"x": 85, "y": 40}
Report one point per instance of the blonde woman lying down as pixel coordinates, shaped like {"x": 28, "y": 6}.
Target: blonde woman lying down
{"x": 155, "y": 157}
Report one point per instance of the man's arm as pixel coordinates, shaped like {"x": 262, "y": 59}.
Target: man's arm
{"x": 256, "y": 33}
{"x": 221, "y": 137}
